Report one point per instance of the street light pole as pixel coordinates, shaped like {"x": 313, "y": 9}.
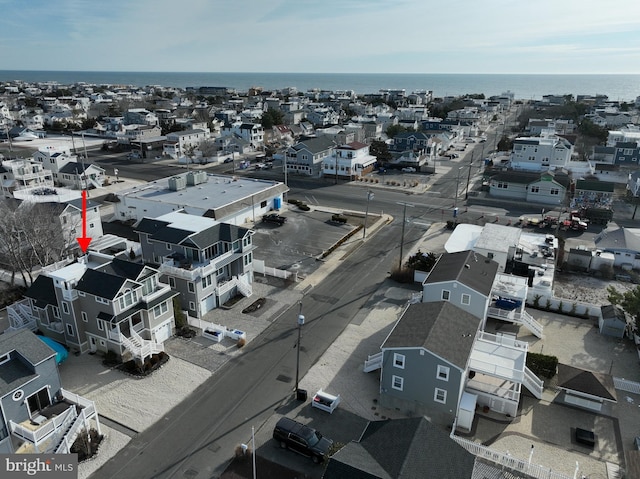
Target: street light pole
{"x": 466, "y": 192}
{"x": 455, "y": 199}
{"x": 366, "y": 213}
{"x": 404, "y": 220}
{"x": 300, "y": 323}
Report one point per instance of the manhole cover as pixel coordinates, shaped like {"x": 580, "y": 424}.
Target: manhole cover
{"x": 283, "y": 378}
{"x": 214, "y": 447}
{"x": 190, "y": 473}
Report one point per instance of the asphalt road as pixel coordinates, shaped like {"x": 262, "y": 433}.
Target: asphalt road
{"x": 197, "y": 438}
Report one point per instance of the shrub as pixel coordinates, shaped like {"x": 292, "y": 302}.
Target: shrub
{"x": 536, "y": 301}
{"x": 574, "y": 308}
{"x": 304, "y": 207}
{"x": 294, "y": 201}
{"x": 548, "y": 305}
{"x": 560, "y": 306}
{"x": 241, "y": 342}
{"x": 542, "y": 364}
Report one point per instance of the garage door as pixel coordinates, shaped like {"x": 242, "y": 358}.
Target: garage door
{"x": 207, "y": 304}
{"x": 162, "y": 333}
{"x": 583, "y": 402}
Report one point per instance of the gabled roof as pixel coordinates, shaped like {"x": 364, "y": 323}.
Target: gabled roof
{"x": 315, "y": 145}
{"x": 439, "y": 327}
{"x": 42, "y": 291}
{"x": 416, "y": 446}
{"x": 123, "y": 268}
{"x": 103, "y": 285}
{"x": 75, "y": 168}
{"x": 467, "y": 267}
{"x": 619, "y": 238}
{"x": 586, "y": 382}
{"x": 528, "y": 177}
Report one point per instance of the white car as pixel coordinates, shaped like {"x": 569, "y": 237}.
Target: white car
{"x": 409, "y": 169}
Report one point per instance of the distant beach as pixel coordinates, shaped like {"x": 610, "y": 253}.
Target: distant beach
{"x": 616, "y": 87}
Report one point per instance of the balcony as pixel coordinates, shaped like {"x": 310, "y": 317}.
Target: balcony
{"x": 499, "y": 356}
{"x": 55, "y": 427}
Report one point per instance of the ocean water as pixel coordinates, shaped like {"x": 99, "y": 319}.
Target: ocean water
{"x": 616, "y": 87}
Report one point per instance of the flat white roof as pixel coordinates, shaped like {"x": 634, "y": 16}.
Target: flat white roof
{"x": 73, "y": 271}
{"x": 509, "y": 285}
{"x": 498, "y": 238}
{"x": 218, "y": 191}
{"x": 463, "y": 238}
{"x": 187, "y": 222}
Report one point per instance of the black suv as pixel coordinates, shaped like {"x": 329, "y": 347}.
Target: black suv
{"x": 302, "y": 439}
{"x": 274, "y": 218}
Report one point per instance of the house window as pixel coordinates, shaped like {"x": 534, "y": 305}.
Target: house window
{"x": 81, "y": 294}
{"x": 191, "y": 286}
{"x": 466, "y": 299}
{"x": 398, "y": 360}
{"x": 535, "y": 189}
{"x": 56, "y": 312}
{"x": 445, "y": 295}
{"x": 168, "y": 246}
{"x": 207, "y": 281}
{"x": 172, "y": 282}
{"x": 502, "y": 185}
{"x": 443, "y": 373}
{"x": 397, "y": 382}
{"x": 263, "y": 204}
{"x": 84, "y": 317}
{"x": 5, "y": 358}
{"x": 440, "y": 396}
{"x": 490, "y": 255}
{"x": 192, "y": 306}
{"x": 100, "y": 325}
{"x": 555, "y": 191}
{"x": 69, "y": 330}
{"x": 65, "y": 307}
{"x": 160, "y": 309}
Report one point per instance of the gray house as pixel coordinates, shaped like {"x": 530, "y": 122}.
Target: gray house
{"x": 100, "y": 303}
{"x": 206, "y": 261}
{"x": 548, "y": 188}
{"x": 424, "y": 360}
{"x": 36, "y": 414}
{"x": 306, "y": 157}
{"x": 464, "y": 279}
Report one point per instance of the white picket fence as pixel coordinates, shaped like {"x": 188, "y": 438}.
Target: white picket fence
{"x": 260, "y": 267}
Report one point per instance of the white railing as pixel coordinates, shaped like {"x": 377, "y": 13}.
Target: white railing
{"x": 62, "y": 432}
{"x": 72, "y": 432}
{"x": 373, "y": 362}
{"x": 535, "y": 470}
{"x": 86, "y": 404}
{"x": 159, "y": 291}
{"x": 533, "y": 383}
{"x": 219, "y": 259}
{"x": 495, "y": 370}
{"x": 244, "y": 288}
{"x": 43, "y": 432}
{"x": 513, "y": 316}
{"x": 261, "y": 268}
{"x": 20, "y": 315}
{"x": 69, "y": 294}
{"x": 502, "y": 340}
{"x": 493, "y": 390}
{"x": 225, "y": 287}
{"x": 626, "y": 385}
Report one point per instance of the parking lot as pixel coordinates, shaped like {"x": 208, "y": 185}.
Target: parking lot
{"x": 296, "y": 245}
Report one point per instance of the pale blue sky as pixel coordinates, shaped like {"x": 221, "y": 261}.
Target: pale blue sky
{"x": 350, "y": 36}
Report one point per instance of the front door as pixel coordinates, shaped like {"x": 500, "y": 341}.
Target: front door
{"x": 92, "y": 344}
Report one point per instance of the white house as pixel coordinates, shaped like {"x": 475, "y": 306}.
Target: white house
{"x": 349, "y": 161}
{"x": 541, "y": 153}
{"x": 180, "y": 142}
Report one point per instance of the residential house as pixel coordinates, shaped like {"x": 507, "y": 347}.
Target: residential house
{"x": 251, "y": 132}
{"x": 208, "y": 262}
{"x": 624, "y": 243}
{"x": 100, "y": 303}
{"x": 424, "y": 360}
{"x": 36, "y": 414}
{"x": 307, "y": 156}
{"x": 180, "y": 143}
{"x": 627, "y": 154}
{"x": 349, "y": 161}
{"x": 411, "y": 140}
{"x": 70, "y": 215}
{"x": 140, "y": 116}
{"x": 541, "y": 153}
{"x": 418, "y": 446}
{"x": 536, "y": 126}
{"x": 81, "y": 176}
{"x": 23, "y": 175}
{"x": 627, "y": 134}
{"x": 546, "y": 188}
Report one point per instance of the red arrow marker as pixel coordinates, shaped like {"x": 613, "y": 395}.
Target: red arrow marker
{"x": 83, "y": 241}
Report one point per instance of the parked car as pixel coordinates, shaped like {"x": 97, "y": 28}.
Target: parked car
{"x": 228, "y": 160}
{"x": 409, "y": 169}
{"x": 636, "y": 442}
{"x": 302, "y": 439}
{"x": 274, "y": 218}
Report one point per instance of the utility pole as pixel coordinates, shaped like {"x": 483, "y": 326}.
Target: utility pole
{"x": 300, "y": 323}
{"x": 366, "y": 213}
{"x": 466, "y": 193}
{"x": 455, "y": 199}
{"x": 404, "y": 220}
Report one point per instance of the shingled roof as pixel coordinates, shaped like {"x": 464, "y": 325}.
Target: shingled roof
{"x": 467, "y": 267}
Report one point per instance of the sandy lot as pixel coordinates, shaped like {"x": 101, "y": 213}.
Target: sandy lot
{"x": 586, "y": 289}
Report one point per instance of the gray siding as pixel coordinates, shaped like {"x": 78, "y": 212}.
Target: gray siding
{"x": 420, "y": 380}
{"x": 477, "y": 302}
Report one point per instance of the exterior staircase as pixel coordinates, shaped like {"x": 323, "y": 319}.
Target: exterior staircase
{"x": 139, "y": 347}
{"x": 373, "y": 362}
{"x": 533, "y": 383}
{"x": 20, "y": 316}
{"x": 523, "y": 318}
{"x": 244, "y": 288}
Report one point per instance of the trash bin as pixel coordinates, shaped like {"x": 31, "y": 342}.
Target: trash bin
{"x": 301, "y": 394}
